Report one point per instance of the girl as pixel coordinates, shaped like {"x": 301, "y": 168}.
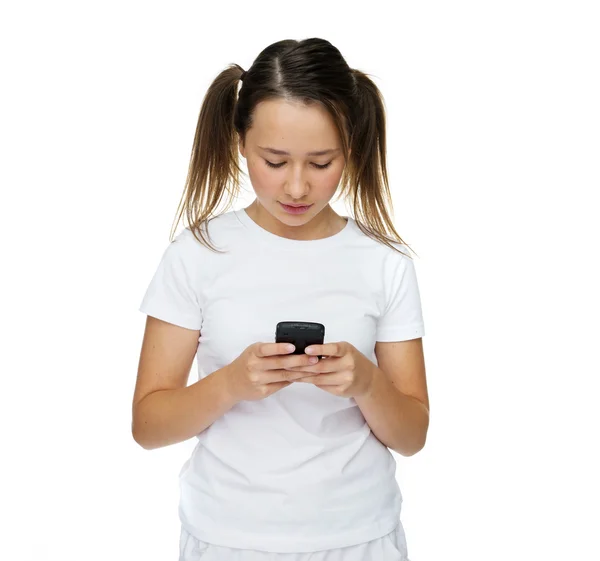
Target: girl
{"x": 293, "y": 458}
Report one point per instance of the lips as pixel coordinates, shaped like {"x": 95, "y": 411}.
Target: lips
{"x": 295, "y": 209}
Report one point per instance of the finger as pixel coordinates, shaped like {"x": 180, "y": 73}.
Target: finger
{"x": 300, "y": 375}
{"x": 309, "y": 369}
{"x": 287, "y": 362}
{"x": 324, "y": 380}
{"x": 278, "y": 375}
{"x": 296, "y": 361}
{"x": 324, "y": 365}
{"x": 273, "y": 349}
{"x": 329, "y": 349}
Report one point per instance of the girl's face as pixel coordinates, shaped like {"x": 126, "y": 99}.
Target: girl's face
{"x": 299, "y": 178}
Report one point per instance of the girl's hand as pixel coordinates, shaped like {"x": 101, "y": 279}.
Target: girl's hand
{"x": 345, "y": 371}
{"x": 261, "y": 370}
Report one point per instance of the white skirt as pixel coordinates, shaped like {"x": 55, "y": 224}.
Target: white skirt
{"x": 391, "y": 547}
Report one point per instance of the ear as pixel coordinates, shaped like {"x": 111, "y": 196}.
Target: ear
{"x": 242, "y": 148}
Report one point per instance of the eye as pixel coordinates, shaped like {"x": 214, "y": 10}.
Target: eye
{"x": 277, "y": 166}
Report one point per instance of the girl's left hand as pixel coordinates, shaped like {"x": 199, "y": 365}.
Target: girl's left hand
{"x": 345, "y": 371}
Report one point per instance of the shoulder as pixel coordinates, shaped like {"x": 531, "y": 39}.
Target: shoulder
{"x": 399, "y": 253}
{"x": 220, "y": 230}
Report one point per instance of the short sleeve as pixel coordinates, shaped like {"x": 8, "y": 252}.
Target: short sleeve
{"x": 402, "y": 318}
{"x": 172, "y": 295}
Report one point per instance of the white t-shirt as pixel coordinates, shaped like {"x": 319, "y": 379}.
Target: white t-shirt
{"x": 300, "y": 470}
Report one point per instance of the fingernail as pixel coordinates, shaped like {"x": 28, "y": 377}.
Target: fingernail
{"x": 290, "y": 348}
{"x": 313, "y": 360}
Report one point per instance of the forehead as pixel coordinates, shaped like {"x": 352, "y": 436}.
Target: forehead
{"x": 292, "y": 126}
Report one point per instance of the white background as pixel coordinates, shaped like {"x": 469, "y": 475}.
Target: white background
{"x": 493, "y": 145}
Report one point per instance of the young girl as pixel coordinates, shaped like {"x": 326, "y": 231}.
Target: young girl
{"x": 293, "y": 458}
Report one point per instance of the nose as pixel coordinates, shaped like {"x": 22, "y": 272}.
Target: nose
{"x": 296, "y": 186}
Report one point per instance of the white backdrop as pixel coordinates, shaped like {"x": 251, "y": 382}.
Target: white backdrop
{"x": 493, "y": 145}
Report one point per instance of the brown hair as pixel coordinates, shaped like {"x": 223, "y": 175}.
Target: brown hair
{"x": 310, "y": 71}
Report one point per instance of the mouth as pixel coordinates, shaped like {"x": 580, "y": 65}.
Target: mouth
{"x": 295, "y": 209}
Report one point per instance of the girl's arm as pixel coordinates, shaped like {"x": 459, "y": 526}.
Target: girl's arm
{"x": 165, "y": 410}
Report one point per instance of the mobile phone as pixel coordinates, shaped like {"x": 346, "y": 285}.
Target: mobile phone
{"x": 301, "y": 334}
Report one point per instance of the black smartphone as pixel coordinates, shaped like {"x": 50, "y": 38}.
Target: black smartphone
{"x": 301, "y": 334}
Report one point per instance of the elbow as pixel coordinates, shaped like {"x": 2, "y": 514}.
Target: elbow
{"x": 416, "y": 450}
{"x": 142, "y": 444}
{"x": 414, "y": 447}
{"x": 137, "y": 438}
{"x": 408, "y": 452}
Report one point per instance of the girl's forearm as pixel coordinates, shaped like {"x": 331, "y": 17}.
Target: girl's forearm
{"x": 170, "y": 416}
{"x": 398, "y": 420}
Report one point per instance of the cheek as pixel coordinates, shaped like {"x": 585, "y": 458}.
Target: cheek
{"x": 331, "y": 180}
{"x": 261, "y": 179}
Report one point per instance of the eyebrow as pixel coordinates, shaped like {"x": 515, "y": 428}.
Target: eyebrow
{"x": 284, "y": 153}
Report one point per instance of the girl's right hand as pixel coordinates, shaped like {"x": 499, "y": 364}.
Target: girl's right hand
{"x": 260, "y": 371}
